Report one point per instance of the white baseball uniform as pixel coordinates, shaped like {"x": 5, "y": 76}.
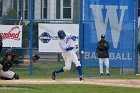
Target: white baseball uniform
{"x": 70, "y": 55}
{"x": 6, "y": 74}
{"x": 104, "y": 61}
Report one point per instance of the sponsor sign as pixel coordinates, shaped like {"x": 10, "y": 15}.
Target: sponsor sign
{"x": 48, "y": 39}
{"x": 12, "y": 35}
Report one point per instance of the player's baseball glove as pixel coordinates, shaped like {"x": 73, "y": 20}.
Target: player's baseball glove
{"x": 35, "y": 58}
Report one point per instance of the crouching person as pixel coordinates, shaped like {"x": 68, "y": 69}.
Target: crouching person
{"x": 7, "y": 62}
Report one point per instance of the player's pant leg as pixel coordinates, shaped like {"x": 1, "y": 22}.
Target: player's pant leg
{"x": 0, "y": 67}
{"x": 7, "y": 74}
{"x": 101, "y": 65}
{"x": 74, "y": 59}
{"x": 79, "y": 69}
{"x": 68, "y": 63}
{"x": 77, "y": 63}
{"x": 67, "y": 66}
{"x": 0, "y": 70}
{"x": 107, "y": 65}
{"x": 61, "y": 69}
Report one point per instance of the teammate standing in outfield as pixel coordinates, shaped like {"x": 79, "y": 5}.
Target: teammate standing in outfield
{"x": 103, "y": 54}
{"x": 68, "y": 54}
{"x": 7, "y": 62}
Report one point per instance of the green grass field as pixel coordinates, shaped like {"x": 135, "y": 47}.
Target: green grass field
{"x": 43, "y": 70}
{"x": 65, "y": 88}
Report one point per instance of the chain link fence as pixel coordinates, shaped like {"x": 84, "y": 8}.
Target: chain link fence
{"x": 29, "y": 13}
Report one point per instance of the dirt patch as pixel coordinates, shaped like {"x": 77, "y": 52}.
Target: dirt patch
{"x": 105, "y": 82}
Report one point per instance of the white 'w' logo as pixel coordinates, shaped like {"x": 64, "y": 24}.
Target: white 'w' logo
{"x": 112, "y": 17}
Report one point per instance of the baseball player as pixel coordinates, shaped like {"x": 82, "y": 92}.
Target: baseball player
{"x": 7, "y": 62}
{"x": 68, "y": 53}
{"x": 103, "y": 54}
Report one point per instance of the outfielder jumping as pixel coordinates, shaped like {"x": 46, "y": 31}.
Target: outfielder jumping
{"x": 68, "y": 54}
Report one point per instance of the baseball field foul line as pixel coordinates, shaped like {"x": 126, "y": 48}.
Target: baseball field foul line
{"x": 107, "y": 82}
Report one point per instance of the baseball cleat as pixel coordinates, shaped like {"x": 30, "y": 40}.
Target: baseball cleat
{"x": 16, "y": 76}
{"x": 107, "y": 74}
{"x": 53, "y": 75}
{"x": 81, "y": 78}
{"x": 101, "y": 74}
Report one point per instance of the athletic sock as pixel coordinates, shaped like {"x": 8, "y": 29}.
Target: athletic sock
{"x": 79, "y": 69}
{"x": 59, "y": 71}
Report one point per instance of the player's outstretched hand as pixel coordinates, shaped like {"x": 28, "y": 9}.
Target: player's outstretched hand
{"x": 26, "y": 61}
{"x": 34, "y": 58}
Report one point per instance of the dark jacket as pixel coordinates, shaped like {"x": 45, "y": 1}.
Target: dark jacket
{"x": 102, "y": 49}
{"x": 8, "y": 64}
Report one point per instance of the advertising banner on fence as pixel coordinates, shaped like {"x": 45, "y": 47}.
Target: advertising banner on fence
{"x": 115, "y": 19}
{"x": 12, "y": 35}
{"x": 48, "y": 39}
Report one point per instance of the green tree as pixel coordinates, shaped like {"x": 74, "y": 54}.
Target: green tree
{"x": 10, "y": 14}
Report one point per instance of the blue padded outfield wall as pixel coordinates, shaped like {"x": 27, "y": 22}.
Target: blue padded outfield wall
{"x": 117, "y": 19}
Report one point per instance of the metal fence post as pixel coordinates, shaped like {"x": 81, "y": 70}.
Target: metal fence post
{"x": 81, "y": 31}
{"x": 31, "y": 30}
{"x": 136, "y": 35}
